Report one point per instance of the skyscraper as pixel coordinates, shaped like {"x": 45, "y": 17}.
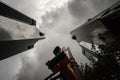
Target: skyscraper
{"x": 101, "y": 29}
{"x": 18, "y": 32}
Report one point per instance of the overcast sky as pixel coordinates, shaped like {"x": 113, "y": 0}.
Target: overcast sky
{"x": 56, "y": 18}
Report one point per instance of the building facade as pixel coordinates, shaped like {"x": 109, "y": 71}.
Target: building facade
{"x": 101, "y": 29}
{"x": 18, "y": 32}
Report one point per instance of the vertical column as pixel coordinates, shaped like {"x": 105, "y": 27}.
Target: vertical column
{"x": 74, "y": 65}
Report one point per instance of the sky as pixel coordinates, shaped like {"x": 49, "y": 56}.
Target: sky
{"x": 56, "y": 18}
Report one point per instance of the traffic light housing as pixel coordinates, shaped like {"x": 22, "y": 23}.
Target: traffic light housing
{"x": 57, "y": 51}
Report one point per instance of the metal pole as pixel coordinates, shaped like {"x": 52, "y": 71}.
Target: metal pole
{"x": 74, "y": 65}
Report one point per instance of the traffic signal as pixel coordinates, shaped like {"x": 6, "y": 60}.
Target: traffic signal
{"x": 57, "y": 51}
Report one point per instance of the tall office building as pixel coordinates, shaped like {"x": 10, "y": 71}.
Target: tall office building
{"x": 18, "y": 32}
{"x": 101, "y": 29}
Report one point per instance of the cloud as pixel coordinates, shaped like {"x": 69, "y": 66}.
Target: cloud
{"x": 84, "y": 9}
{"x": 9, "y": 67}
{"x": 57, "y": 33}
{"x": 56, "y": 23}
{"x": 29, "y": 66}
{"x": 37, "y": 8}
{"x": 81, "y": 9}
{"x": 100, "y": 5}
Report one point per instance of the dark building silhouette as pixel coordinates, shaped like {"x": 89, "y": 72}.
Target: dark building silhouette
{"x": 107, "y": 20}
{"x": 102, "y": 28}
{"x": 7, "y": 11}
{"x": 18, "y": 32}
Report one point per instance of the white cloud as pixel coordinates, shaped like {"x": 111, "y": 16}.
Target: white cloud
{"x": 36, "y": 8}
{"x": 57, "y": 33}
{"x": 57, "y": 20}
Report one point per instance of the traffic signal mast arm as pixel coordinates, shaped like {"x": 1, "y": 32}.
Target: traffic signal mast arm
{"x": 68, "y": 68}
